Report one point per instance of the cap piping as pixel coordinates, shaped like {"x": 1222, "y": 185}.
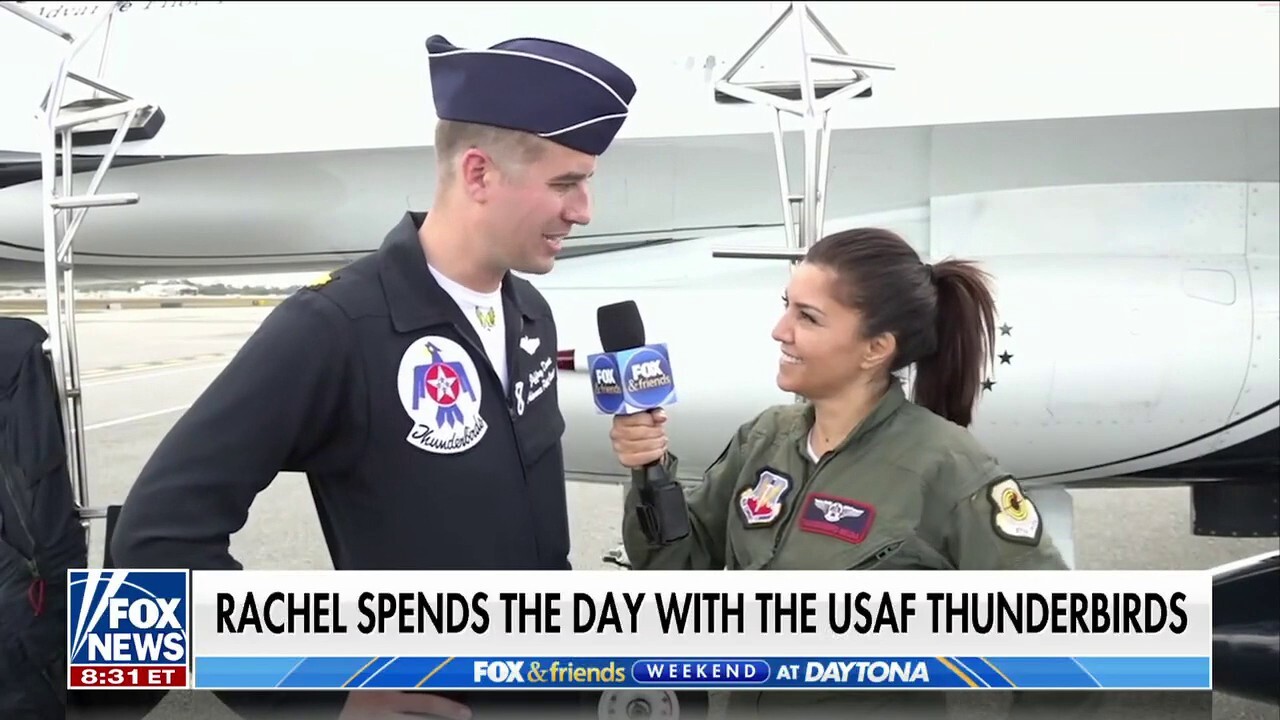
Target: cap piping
{"x": 529, "y": 56}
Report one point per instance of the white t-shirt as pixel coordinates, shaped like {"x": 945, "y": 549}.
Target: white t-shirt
{"x": 484, "y": 310}
{"x": 813, "y": 454}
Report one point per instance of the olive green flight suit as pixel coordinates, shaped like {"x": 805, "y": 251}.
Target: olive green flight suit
{"x": 906, "y": 490}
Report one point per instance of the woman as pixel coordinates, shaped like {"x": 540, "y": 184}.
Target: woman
{"x": 857, "y": 477}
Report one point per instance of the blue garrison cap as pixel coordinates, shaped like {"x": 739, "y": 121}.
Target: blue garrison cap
{"x": 550, "y": 89}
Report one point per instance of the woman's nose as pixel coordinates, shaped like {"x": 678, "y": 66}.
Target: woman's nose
{"x": 782, "y": 330}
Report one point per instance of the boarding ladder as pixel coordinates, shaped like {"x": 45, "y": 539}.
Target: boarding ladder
{"x": 811, "y": 101}
{"x": 63, "y": 210}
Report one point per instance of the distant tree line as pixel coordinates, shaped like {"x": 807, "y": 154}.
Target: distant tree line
{"x": 223, "y": 289}
{"x": 216, "y": 289}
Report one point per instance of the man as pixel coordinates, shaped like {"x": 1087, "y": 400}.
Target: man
{"x": 415, "y": 387}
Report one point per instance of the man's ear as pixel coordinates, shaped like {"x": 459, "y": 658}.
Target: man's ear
{"x": 476, "y": 174}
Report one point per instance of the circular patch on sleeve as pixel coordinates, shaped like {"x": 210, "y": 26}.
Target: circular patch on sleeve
{"x": 1013, "y": 516}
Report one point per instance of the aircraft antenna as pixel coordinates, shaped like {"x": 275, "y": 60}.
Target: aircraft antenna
{"x": 63, "y": 212}
{"x": 810, "y": 100}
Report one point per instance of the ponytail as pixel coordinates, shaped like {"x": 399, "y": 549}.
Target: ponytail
{"x": 942, "y": 316}
{"x": 949, "y": 380}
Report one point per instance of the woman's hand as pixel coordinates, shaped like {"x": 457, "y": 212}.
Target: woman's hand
{"x": 639, "y": 439}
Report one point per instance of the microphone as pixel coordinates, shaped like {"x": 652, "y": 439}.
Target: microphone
{"x": 632, "y": 377}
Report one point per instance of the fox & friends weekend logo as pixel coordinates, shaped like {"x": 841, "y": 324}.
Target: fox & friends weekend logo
{"x": 128, "y": 628}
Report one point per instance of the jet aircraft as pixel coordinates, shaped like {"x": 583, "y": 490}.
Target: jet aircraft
{"x": 1120, "y": 184}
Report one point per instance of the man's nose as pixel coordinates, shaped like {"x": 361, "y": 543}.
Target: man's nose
{"x": 578, "y": 209}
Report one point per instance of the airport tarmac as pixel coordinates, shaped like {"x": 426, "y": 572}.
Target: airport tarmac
{"x": 143, "y": 367}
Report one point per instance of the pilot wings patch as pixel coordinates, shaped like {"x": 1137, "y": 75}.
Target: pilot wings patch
{"x": 833, "y": 511}
{"x": 841, "y": 518}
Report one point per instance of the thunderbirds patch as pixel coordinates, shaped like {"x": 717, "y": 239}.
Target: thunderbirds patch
{"x": 441, "y": 392}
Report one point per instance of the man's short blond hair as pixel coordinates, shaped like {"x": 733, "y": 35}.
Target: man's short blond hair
{"x": 509, "y": 148}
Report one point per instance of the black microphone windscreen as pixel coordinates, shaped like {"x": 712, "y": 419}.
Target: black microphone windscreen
{"x": 620, "y": 326}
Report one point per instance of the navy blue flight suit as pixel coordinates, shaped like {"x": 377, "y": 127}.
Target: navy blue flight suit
{"x": 377, "y": 387}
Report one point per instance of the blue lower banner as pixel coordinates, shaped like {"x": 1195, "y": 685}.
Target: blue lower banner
{"x": 467, "y": 673}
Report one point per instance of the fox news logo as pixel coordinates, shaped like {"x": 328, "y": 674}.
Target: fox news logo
{"x": 127, "y": 628}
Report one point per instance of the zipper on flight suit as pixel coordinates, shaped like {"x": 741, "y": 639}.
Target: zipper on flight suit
{"x": 511, "y": 419}
{"x": 506, "y": 399}
{"x": 887, "y": 550}
{"x": 36, "y": 587}
{"x": 789, "y": 514}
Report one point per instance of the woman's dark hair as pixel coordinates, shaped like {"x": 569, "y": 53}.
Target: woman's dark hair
{"x": 942, "y": 316}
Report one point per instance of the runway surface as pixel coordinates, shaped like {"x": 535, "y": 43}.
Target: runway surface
{"x": 143, "y": 367}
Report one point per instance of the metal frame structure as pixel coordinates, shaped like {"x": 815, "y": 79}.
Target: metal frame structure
{"x": 63, "y": 212}
{"x": 811, "y": 101}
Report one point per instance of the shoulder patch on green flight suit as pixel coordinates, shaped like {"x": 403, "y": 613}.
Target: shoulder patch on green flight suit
{"x": 761, "y": 504}
{"x": 1013, "y": 516}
